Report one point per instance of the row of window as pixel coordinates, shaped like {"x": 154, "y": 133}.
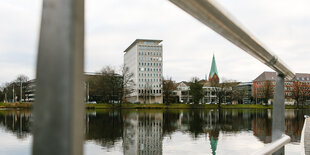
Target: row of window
{"x": 149, "y": 58}
{"x": 141, "y": 91}
{"x": 150, "y": 74}
{"x": 149, "y": 80}
{"x": 150, "y": 47}
{"x": 265, "y": 83}
{"x": 154, "y": 53}
{"x": 149, "y": 64}
{"x": 286, "y": 83}
{"x": 150, "y": 69}
{"x": 303, "y": 78}
{"x": 145, "y": 85}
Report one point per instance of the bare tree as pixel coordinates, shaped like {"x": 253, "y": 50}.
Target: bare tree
{"x": 267, "y": 91}
{"x": 147, "y": 91}
{"x": 168, "y": 88}
{"x": 2, "y": 94}
{"x": 105, "y": 86}
{"x": 299, "y": 93}
{"x": 223, "y": 91}
{"x": 127, "y": 82}
{"x": 20, "y": 80}
{"x": 238, "y": 95}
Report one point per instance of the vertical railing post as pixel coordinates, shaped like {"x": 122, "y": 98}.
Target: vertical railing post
{"x": 278, "y": 110}
{"x": 59, "y": 109}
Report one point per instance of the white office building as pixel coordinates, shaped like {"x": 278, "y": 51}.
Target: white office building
{"x": 144, "y": 58}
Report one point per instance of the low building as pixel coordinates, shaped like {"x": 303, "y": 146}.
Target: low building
{"x": 184, "y": 96}
{"x": 245, "y": 88}
{"x": 295, "y": 89}
{"x": 30, "y": 91}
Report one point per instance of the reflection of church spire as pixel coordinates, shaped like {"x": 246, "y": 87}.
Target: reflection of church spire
{"x": 213, "y": 142}
{"x": 213, "y": 136}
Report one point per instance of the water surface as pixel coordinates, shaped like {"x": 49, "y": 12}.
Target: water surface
{"x": 172, "y": 132}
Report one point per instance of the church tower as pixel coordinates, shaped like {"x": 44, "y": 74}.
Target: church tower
{"x": 213, "y": 76}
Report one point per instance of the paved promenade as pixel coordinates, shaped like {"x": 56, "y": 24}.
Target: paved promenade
{"x": 305, "y": 139}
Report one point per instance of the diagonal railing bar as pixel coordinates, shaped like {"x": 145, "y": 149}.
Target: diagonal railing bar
{"x": 208, "y": 13}
{"x": 58, "y": 127}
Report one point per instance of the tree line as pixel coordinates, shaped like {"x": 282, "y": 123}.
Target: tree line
{"x": 14, "y": 91}
{"x": 109, "y": 86}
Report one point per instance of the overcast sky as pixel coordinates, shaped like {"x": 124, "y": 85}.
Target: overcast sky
{"x": 112, "y": 25}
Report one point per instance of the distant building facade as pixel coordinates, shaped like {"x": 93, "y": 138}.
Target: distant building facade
{"x": 246, "y": 91}
{"x": 30, "y": 91}
{"x": 263, "y": 88}
{"x": 144, "y": 58}
{"x": 209, "y": 95}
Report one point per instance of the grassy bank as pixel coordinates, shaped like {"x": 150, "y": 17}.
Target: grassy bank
{"x": 184, "y": 106}
{"x": 1, "y": 105}
{"x": 150, "y": 106}
{"x": 24, "y": 105}
{"x": 157, "y": 106}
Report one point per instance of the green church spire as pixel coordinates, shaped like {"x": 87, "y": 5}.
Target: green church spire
{"x": 213, "y": 68}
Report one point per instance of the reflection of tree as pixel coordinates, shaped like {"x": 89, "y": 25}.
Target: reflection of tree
{"x": 104, "y": 128}
{"x": 17, "y": 122}
{"x": 196, "y": 124}
{"x": 170, "y": 122}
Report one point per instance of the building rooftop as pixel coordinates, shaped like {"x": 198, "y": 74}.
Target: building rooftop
{"x": 141, "y": 40}
{"x": 266, "y": 76}
{"x": 271, "y": 76}
{"x": 302, "y": 77}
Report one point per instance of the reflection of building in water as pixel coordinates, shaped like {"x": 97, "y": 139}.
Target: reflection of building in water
{"x": 17, "y": 122}
{"x": 143, "y": 134}
{"x": 294, "y": 120}
{"x": 262, "y": 124}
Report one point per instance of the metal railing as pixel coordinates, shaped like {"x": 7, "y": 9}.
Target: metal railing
{"x": 274, "y": 146}
{"x": 210, "y": 14}
{"x": 59, "y": 110}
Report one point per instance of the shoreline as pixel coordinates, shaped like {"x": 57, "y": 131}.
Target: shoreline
{"x": 27, "y": 105}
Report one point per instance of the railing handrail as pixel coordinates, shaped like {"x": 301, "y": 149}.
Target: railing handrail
{"x": 274, "y": 146}
{"x": 302, "y": 138}
{"x": 208, "y": 12}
